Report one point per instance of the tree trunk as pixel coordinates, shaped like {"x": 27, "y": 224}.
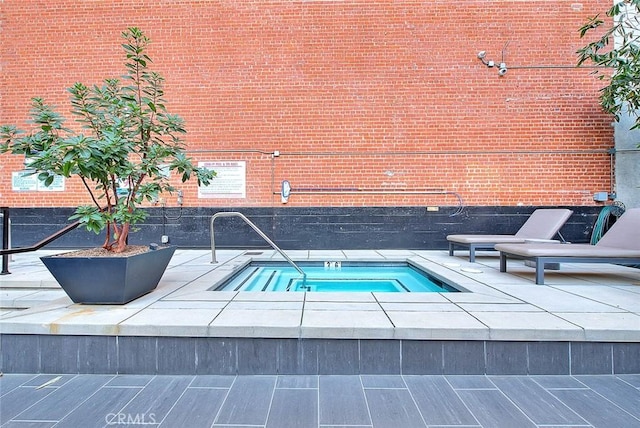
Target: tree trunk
{"x": 121, "y": 243}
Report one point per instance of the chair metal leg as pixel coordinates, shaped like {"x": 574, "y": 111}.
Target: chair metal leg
{"x": 539, "y": 272}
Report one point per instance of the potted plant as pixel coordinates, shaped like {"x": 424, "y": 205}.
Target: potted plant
{"x": 122, "y": 150}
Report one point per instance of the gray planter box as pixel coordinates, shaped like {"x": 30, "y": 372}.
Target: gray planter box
{"x": 109, "y": 280}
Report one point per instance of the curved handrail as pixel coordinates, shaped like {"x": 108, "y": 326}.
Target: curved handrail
{"x": 42, "y": 243}
{"x": 256, "y": 229}
{"x": 5, "y": 251}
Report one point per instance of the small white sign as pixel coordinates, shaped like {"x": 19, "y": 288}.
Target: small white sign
{"x": 165, "y": 172}
{"x": 230, "y": 180}
{"x": 26, "y": 181}
{"x": 56, "y": 186}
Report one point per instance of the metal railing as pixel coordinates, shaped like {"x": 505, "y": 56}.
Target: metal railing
{"x": 6, "y": 232}
{"x": 256, "y": 229}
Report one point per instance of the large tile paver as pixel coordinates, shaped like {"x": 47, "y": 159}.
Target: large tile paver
{"x": 341, "y": 306}
{"x": 196, "y": 408}
{"x": 626, "y": 298}
{"x": 293, "y": 408}
{"x": 537, "y": 403}
{"x": 65, "y": 398}
{"x": 101, "y": 408}
{"x": 557, "y": 300}
{"x": 262, "y": 296}
{"x": 499, "y": 307}
{"x": 481, "y": 297}
{"x": 606, "y": 326}
{"x": 19, "y": 399}
{"x": 74, "y": 319}
{"x": 256, "y": 323}
{"x": 524, "y": 326}
{"x": 268, "y": 305}
{"x": 411, "y": 297}
{"x": 429, "y": 394}
{"x": 188, "y": 304}
{"x": 598, "y": 412}
{"x": 393, "y": 407}
{"x": 615, "y": 390}
{"x": 437, "y": 325}
{"x": 342, "y": 401}
{"x": 346, "y": 324}
{"x": 158, "y": 397}
{"x": 169, "y": 322}
{"x": 492, "y": 409}
{"x": 340, "y": 297}
{"x": 420, "y": 307}
{"x": 248, "y": 402}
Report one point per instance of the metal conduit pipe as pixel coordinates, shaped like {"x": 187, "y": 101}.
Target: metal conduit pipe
{"x": 358, "y": 191}
{"x": 409, "y": 153}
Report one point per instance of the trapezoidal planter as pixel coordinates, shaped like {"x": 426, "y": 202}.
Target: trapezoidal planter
{"x": 109, "y": 280}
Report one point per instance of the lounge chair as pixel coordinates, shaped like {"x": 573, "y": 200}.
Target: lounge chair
{"x": 543, "y": 223}
{"x": 620, "y": 244}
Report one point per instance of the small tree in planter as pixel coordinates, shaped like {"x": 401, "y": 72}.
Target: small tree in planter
{"x": 128, "y": 143}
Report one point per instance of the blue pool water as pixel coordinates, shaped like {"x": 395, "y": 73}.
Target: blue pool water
{"x": 335, "y": 276}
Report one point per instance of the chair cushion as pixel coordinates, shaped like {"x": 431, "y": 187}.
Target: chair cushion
{"x": 566, "y": 250}
{"x": 625, "y": 232}
{"x": 544, "y": 223}
{"x": 483, "y": 239}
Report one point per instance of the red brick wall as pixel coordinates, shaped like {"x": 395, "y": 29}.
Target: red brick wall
{"x": 361, "y": 95}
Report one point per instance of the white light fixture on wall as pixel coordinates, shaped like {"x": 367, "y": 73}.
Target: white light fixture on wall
{"x": 502, "y": 66}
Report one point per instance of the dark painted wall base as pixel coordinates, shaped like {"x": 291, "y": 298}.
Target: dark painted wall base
{"x": 230, "y": 356}
{"x": 302, "y": 228}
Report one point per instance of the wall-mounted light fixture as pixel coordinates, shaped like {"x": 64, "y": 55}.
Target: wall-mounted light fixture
{"x": 502, "y": 66}
{"x": 482, "y": 57}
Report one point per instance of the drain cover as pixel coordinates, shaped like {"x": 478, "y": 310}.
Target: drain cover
{"x": 253, "y": 253}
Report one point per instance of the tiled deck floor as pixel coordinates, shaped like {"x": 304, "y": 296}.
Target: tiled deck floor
{"x": 320, "y": 401}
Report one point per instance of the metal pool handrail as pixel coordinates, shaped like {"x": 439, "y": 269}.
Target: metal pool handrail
{"x": 258, "y": 231}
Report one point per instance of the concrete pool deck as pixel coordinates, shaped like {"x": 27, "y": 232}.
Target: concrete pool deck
{"x": 583, "y": 308}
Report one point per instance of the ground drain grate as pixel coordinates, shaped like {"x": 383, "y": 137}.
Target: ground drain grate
{"x": 253, "y": 253}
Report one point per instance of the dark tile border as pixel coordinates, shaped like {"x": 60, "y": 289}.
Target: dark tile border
{"x": 23, "y": 353}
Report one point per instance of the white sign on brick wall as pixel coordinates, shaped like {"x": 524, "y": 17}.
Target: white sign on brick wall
{"x": 26, "y": 181}
{"x": 230, "y": 180}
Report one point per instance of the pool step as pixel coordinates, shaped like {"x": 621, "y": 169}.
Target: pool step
{"x": 270, "y": 280}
